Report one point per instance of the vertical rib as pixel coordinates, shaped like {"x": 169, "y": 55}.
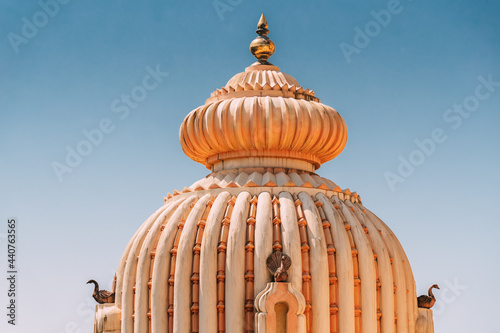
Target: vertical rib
{"x": 400, "y": 308}
{"x": 263, "y": 242}
{"x": 318, "y": 266}
{"x": 249, "y": 267}
{"x": 385, "y": 290}
{"x": 182, "y": 282}
{"x": 173, "y": 269}
{"x": 141, "y": 321}
{"x": 235, "y": 266}
{"x": 306, "y": 273}
{"x": 291, "y": 238}
{"x": 345, "y": 267}
{"x": 129, "y": 274}
{"x": 355, "y": 264}
{"x": 276, "y": 225}
{"x": 208, "y": 265}
{"x": 195, "y": 276}
{"x": 161, "y": 269}
{"x": 221, "y": 266}
{"x": 366, "y": 271}
{"x": 332, "y": 275}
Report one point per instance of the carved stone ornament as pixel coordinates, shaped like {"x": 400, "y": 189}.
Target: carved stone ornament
{"x": 278, "y": 264}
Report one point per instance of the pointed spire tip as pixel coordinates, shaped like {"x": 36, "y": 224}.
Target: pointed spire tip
{"x": 262, "y": 26}
{"x": 262, "y": 22}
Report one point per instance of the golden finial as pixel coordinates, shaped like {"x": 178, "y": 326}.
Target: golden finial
{"x": 262, "y": 47}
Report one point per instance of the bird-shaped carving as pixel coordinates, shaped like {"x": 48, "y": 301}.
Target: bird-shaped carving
{"x": 101, "y": 296}
{"x": 278, "y": 263}
{"x": 427, "y": 301}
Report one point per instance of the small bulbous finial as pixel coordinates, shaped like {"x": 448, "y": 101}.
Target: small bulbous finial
{"x": 262, "y": 47}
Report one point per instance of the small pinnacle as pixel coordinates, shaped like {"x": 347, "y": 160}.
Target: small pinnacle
{"x": 262, "y": 47}
{"x": 262, "y": 27}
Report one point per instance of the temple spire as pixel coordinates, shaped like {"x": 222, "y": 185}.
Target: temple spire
{"x": 262, "y": 26}
{"x": 262, "y": 47}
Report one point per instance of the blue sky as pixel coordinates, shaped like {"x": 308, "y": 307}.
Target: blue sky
{"x": 407, "y": 78}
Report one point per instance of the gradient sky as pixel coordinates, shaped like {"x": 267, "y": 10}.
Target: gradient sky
{"x": 399, "y": 86}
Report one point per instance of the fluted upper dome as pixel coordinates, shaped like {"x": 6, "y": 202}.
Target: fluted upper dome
{"x": 272, "y": 131}
{"x": 263, "y": 117}
{"x": 198, "y": 264}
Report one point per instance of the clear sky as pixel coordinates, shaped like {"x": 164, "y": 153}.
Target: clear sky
{"x": 418, "y": 83}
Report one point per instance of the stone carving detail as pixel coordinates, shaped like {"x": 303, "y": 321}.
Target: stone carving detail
{"x": 427, "y": 301}
{"x": 101, "y": 296}
{"x": 278, "y": 263}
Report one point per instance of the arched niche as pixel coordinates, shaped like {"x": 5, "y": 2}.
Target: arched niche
{"x": 280, "y": 309}
{"x": 281, "y": 313}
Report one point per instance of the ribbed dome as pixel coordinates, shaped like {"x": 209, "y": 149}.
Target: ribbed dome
{"x": 261, "y": 75}
{"x": 263, "y": 118}
{"x": 260, "y": 127}
{"x": 262, "y": 80}
{"x": 263, "y": 114}
{"x": 198, "y": 264}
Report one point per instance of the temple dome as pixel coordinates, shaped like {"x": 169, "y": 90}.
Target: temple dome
{"x": 262, "y": 75}
{"x": 198, "y": 264}
{"x": 263, "y": 118}
{"x": 263, "y": 131}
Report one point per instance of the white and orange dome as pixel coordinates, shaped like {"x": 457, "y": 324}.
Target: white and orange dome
{"x": 198, "y": 264}
{"x": 262, "y": 117}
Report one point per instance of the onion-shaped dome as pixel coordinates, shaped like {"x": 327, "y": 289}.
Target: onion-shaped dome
{"x": 198, "y": 264}
{"x": 263, "y": 117}
{"x": 300, "y": 133}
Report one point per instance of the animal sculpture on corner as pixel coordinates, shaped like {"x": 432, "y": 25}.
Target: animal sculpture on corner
{"x": 427, "y": 301}
{"x": 101, "y": 296}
